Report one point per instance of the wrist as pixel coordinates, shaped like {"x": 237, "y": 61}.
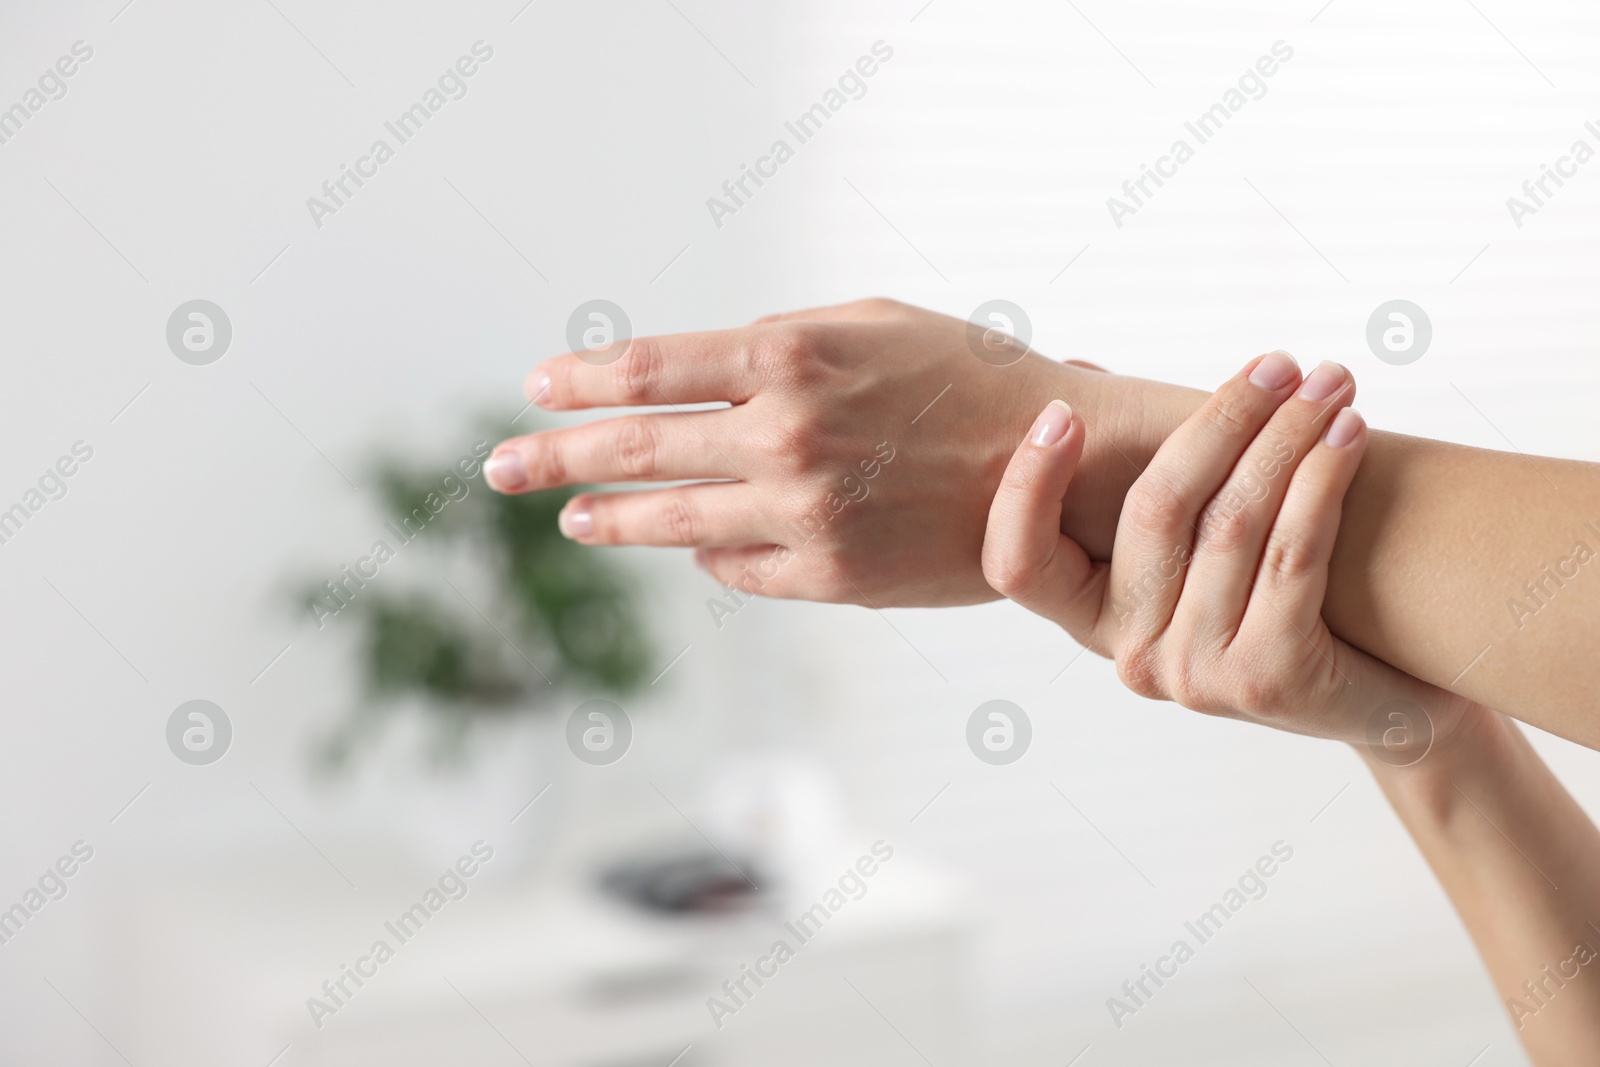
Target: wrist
{"x": 1128, "y": 419}
{"x": 1471, "y": 742}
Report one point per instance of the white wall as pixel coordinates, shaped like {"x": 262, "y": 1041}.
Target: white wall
{"x": 177, "y": 166}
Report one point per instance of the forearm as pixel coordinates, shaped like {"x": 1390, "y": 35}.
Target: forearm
{"x": 1521, "y": 864}
{"x": 1436, "y": 548}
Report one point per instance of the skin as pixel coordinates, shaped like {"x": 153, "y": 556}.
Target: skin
{"x": 1232, "y": 625}
{"x": 1518, "y": 858}
{"x": 1437, "y": 539}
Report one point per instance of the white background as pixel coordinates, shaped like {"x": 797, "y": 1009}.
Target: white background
{"x": 178, "y": 165}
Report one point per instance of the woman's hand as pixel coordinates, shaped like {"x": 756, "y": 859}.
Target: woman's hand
{"x": 1213, "y": 595}
{"x": 1213, "y": 598}
{"x": 856, "y": 463}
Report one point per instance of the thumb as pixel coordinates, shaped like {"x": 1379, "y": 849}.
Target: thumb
{"x": 1025, "y": 555}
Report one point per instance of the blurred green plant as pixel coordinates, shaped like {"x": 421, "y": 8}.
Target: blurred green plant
{"x": 560, "y": 615}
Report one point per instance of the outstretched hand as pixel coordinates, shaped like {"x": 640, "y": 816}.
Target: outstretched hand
{"x": 855, "y": 464}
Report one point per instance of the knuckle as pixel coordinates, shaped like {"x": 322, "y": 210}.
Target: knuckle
{"x": 1139, "y": 668}
{"x": 789, "y": 352}
{"x": 1194, "y": 685}
{"x": 680, "y": 525}
{"x": 1007, "y": 574}
{"x": 812, "y": 519}
{"x": 1259, "y": 691}
{"x": 637, "y": 448}
{"x": 637, "y": 375}
{"x": 1268, "y": 681}
{"x": 1154, "y": 504}
{"x": 1287, "y": 559}
{"x": 1187, "y": 687}
{"x": 797, "y": 443}
{"x": 1232, "y": 415}
{"x": 1024, "y": 474}
{"x": 789, "y": 342}
{"x": 880, "y": 306}
{"x": 1224, "y": 526}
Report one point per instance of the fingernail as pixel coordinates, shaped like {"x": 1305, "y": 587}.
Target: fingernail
{"x": 1051, "y": 425}
{"x": 1344, "y": 427}
{"x": 506, "y": 472}
{"x": 1323, "y": 382}
{"x": 576, "y": 523}
{"x": 539, "y": 388}
{"x": 1276, "y": 370}
{"x": 700, "y": 557}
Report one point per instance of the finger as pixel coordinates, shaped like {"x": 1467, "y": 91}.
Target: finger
{"x": 1232, "y": 529}
{"x": 685, "y": 368}
{"x": 1025, "y": 555}
{"x": 637, "y": 448}
{"x": 1156, "y": 532}
{"x": 709, "y": 514}
{"x": 1292, "y": 576}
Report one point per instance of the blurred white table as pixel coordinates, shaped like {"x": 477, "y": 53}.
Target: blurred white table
{"x": 543, "y": 973}
{"x": 565, "y": 976}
